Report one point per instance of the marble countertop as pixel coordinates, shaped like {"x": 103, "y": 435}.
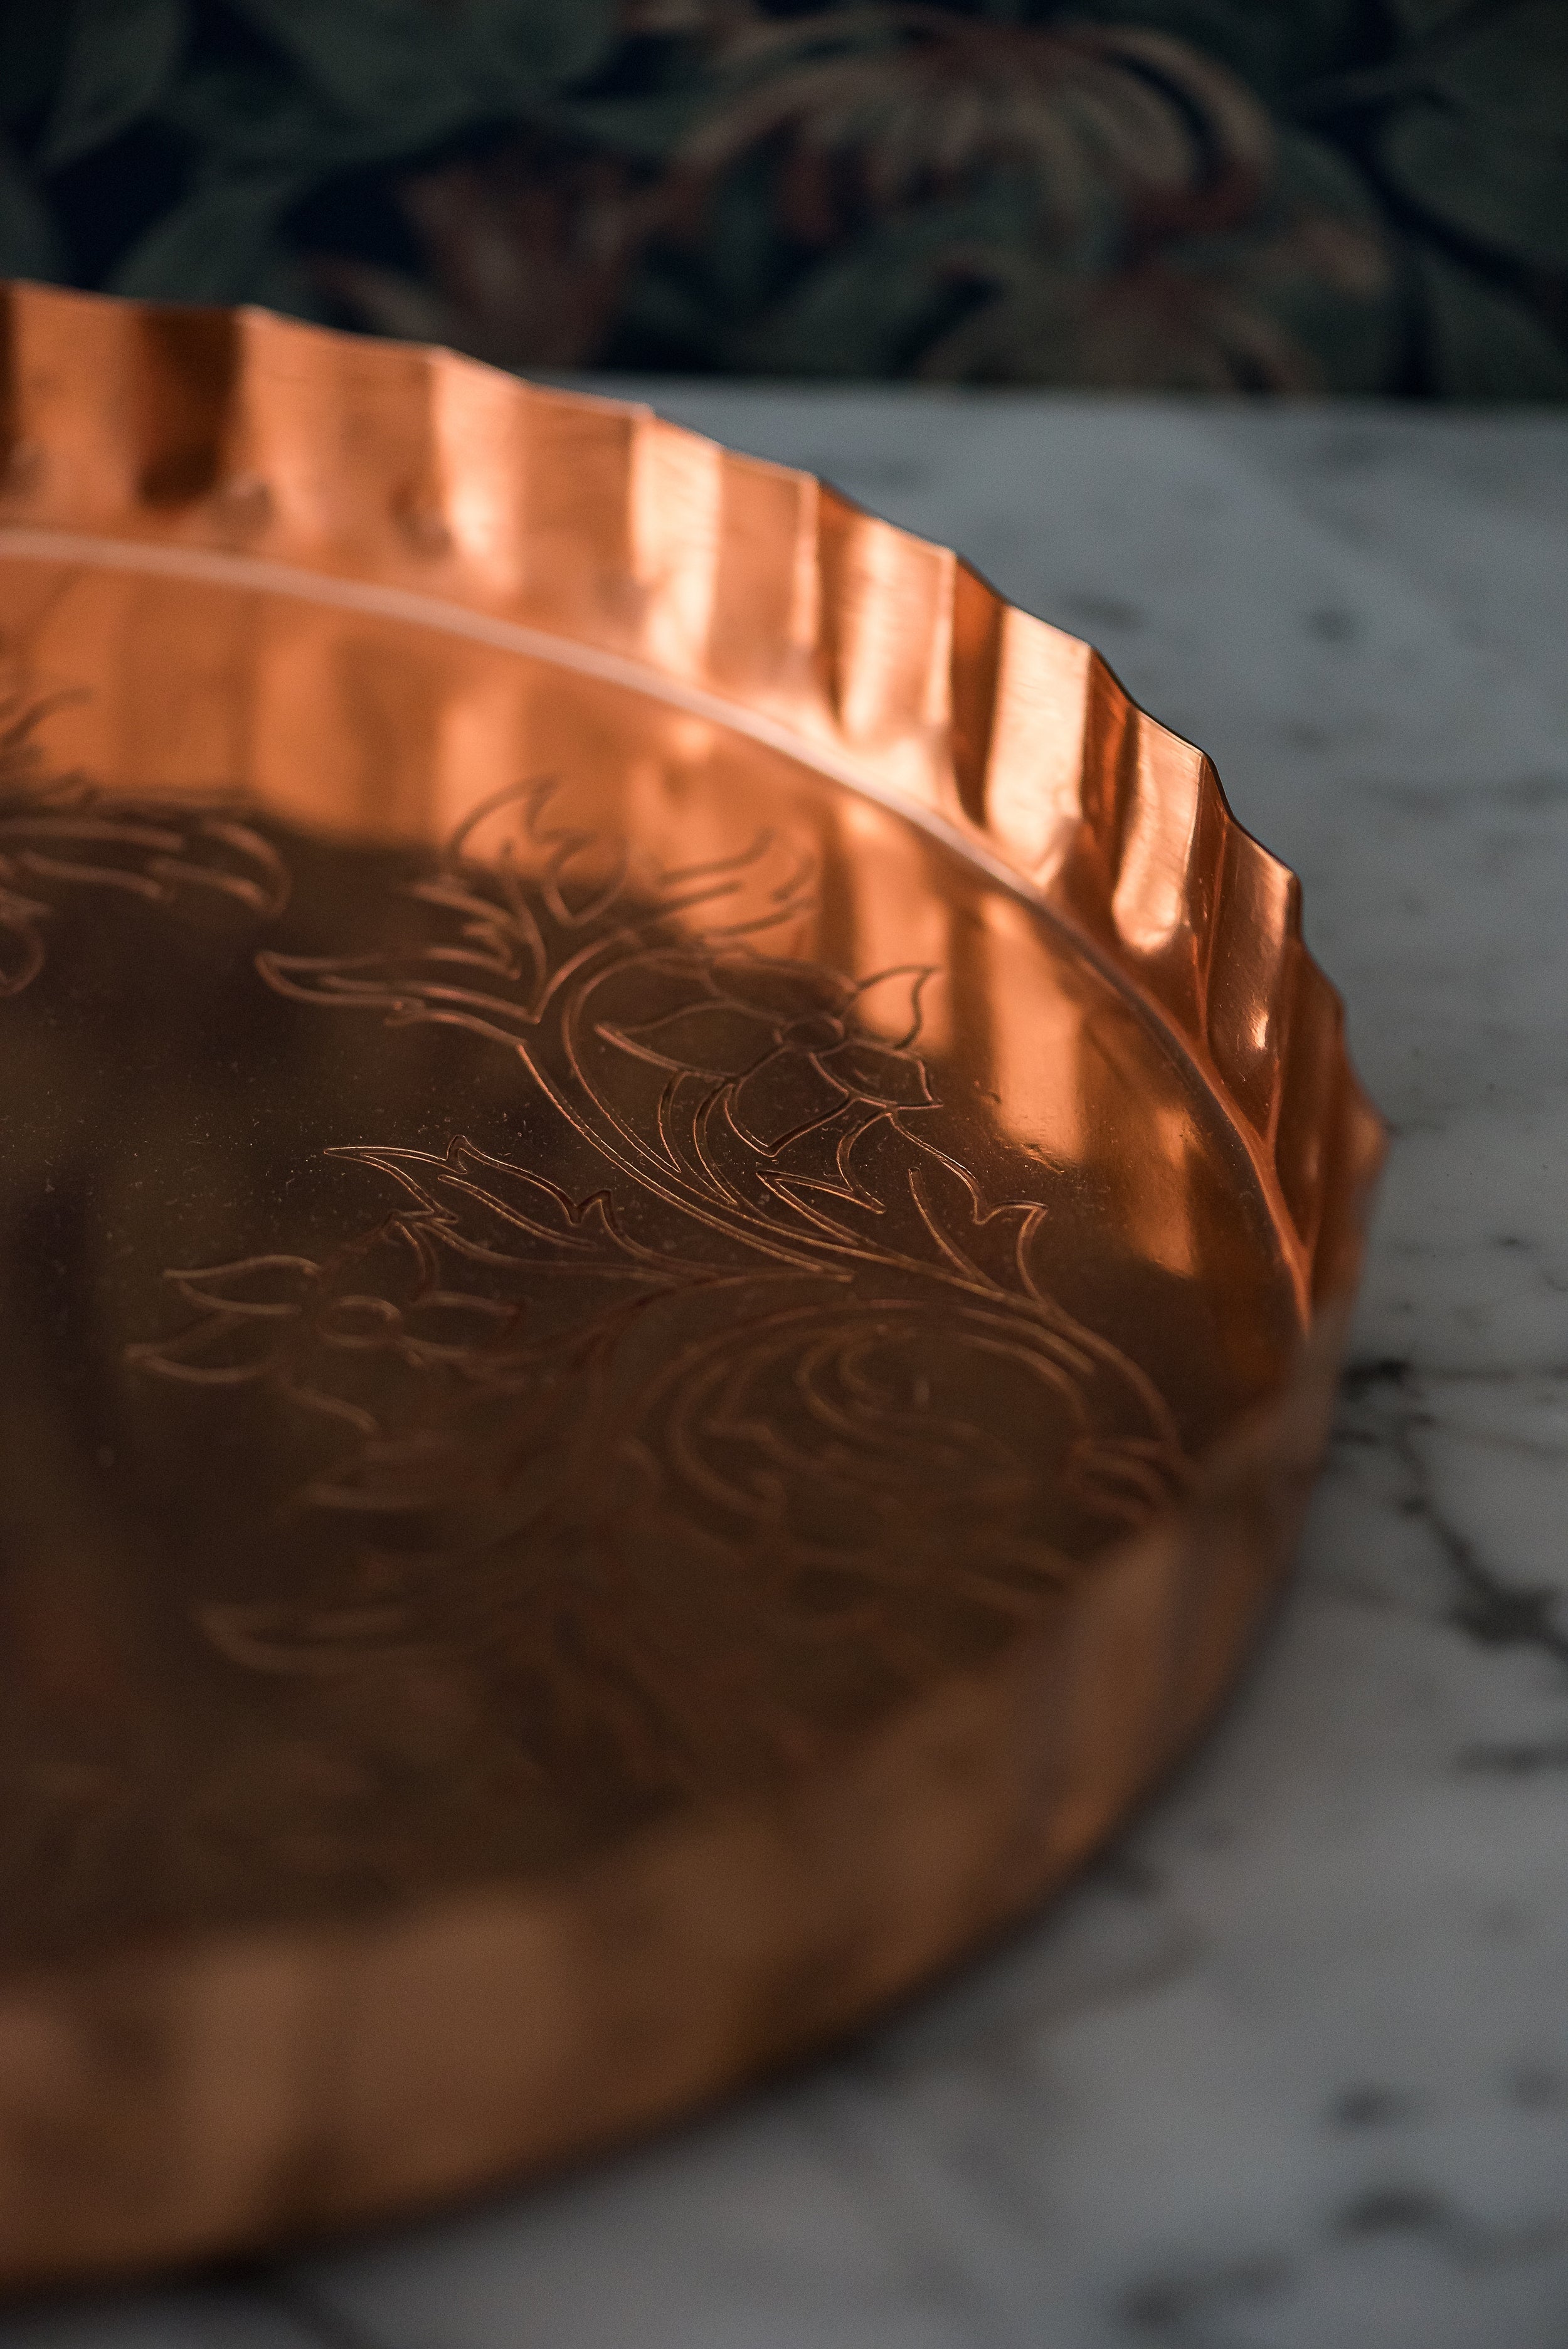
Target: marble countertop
{"x": 1288, "y": 2069}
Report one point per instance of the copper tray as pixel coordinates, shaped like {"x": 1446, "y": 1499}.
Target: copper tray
{"x": 677, "y": 1212}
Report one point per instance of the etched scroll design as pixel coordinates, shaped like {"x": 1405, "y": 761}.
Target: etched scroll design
{"x": 62, "y": 835}
{"x": 859, "y": 1387}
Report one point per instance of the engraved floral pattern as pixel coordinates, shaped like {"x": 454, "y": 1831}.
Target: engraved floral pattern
{"x": 788, "y": 1042}
{"x": 62, "y": 835}
{"x": 781, "y": 1376}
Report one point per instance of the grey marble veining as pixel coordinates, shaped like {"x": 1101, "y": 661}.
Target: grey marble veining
{"x": 1289, "y": 2068}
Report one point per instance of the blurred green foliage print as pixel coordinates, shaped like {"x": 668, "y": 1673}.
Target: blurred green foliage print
{"x": 1230, "y": 196}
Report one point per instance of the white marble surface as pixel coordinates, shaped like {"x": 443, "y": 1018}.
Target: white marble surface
{"x": 1290, "y": 2069}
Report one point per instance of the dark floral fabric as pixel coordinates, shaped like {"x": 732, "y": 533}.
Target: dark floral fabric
{"x": 1226, "y": 195}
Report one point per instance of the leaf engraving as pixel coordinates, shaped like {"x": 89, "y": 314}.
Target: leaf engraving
{"x": 62, "y": 835}
{"x": 779, "y": 1386}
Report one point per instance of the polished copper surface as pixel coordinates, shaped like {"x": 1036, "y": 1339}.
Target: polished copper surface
{"x": 674, "y": 1214}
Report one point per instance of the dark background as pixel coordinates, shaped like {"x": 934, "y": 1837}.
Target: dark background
{"x": 1253, "y": 195}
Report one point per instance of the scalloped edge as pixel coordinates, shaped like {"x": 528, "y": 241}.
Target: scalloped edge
{"x": 891, "y": 664}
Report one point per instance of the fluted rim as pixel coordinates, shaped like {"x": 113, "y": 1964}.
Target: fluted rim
{"x": 592, "y": 531}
